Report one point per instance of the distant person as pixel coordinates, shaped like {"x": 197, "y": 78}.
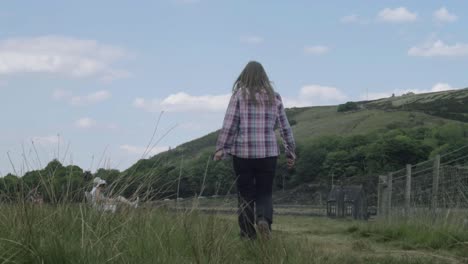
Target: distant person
{"x": 99, "y": 199}
{"x": 248, "y": 135}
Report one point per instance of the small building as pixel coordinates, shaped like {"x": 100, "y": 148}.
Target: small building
{"x": 347, "y": 201}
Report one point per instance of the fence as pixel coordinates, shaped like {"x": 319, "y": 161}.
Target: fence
{"x": 430, "y": 186}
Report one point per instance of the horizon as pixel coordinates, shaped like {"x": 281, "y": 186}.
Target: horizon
{"x": 96, "y": 86}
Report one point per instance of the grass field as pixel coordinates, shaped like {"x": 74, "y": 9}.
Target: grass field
{"x": 79, "y": 234}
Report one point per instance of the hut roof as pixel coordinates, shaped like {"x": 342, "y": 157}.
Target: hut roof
{"x": 351, "y": 192}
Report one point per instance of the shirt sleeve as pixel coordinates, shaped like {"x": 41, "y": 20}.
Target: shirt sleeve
{"x": 285, "y": 130}
{"x": 230, "y": 126}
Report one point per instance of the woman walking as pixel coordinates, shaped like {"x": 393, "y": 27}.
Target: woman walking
{"x": 248, "y": 134}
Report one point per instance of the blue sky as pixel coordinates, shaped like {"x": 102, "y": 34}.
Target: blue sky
{"x": 85, "y": 81}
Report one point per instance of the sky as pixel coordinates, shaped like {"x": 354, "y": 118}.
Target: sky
{"x": 86, "y": 81}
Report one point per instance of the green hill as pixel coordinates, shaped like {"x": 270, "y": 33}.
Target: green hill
{"x": 447, "y": 104}
{"x": 409, "y": 111}
{"x": 352, "y": 145}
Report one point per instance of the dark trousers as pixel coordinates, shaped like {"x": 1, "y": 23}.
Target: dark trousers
{"x": 254, "y": 189}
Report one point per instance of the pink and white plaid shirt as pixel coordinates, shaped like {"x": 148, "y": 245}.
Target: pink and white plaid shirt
{"x": 249, "y": 130}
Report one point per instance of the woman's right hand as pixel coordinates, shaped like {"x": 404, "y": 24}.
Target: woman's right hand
{"x": 290, "y": 162}
{"x": 218, "y": 155}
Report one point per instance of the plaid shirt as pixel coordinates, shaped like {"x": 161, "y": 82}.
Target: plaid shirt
{"x": 249, "y": 130}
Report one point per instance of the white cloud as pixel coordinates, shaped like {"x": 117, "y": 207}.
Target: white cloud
{"x": 137, "y": 150}
{"x": 438, "y": 87}
{"x": 316, "y": 50}
{"x": 350, "y": 19}
{"x": 443, "y": 15}
{"x": 47, "y": 140}
{"x": 309, "y": 95}
{"x": 439, "y": 49}
{"x": 316, "y": 95}
{"x": 397, "y": 15}
{"x": 323, "y": 92}
{"x": 85, "y": 122}
{"x": 92, "y": 98}
{"x": 183, "y": 102}
{"x": 60, "y": 55}
{"x": 251, "y": 39}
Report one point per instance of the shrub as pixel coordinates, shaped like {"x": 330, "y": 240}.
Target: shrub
{"x": 349, "y": 106}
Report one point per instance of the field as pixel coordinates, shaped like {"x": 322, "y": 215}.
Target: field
{"x": 78, "y": 234}
{"x": 204, "y": 230}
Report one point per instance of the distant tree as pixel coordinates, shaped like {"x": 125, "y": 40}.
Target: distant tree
{"x": 337, "y": 161}
{"x": 87, "y": 176}
{"x": 450, "y": 133}
{"x": 394, "y": 150}
{"x": 309, "y": 163}
{"x": 349, "y": 106}
{"x": 9, "y": 187}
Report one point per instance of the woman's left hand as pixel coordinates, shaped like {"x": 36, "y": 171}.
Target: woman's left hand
{"x": 218, "y": 155}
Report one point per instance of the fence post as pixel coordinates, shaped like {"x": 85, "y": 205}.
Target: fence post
{"x": 408, "y": 190}
{"x": 435, "y": 182}
{"x": 379, "y": 196}
{"x": 389, "y": 193}
{"x": 340, "y": 203}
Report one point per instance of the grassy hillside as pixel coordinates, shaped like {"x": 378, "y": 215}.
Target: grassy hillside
{"x": 418, "y": 110}
{"x": 351, "y": 146}
{"x": 447, "y": 104}
{"x": 320, "y": 121}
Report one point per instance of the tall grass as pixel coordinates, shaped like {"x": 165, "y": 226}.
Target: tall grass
{"x": 69, "y": 232}
{"x": 76, "y": 233}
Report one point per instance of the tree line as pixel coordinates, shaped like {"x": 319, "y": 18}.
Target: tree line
{"x": 354, "y": 159}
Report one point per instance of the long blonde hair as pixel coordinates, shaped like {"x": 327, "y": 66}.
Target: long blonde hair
{"x": 253, "y": 79}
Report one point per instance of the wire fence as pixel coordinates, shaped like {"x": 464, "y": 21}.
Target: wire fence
{"x": 430, "y": 186}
